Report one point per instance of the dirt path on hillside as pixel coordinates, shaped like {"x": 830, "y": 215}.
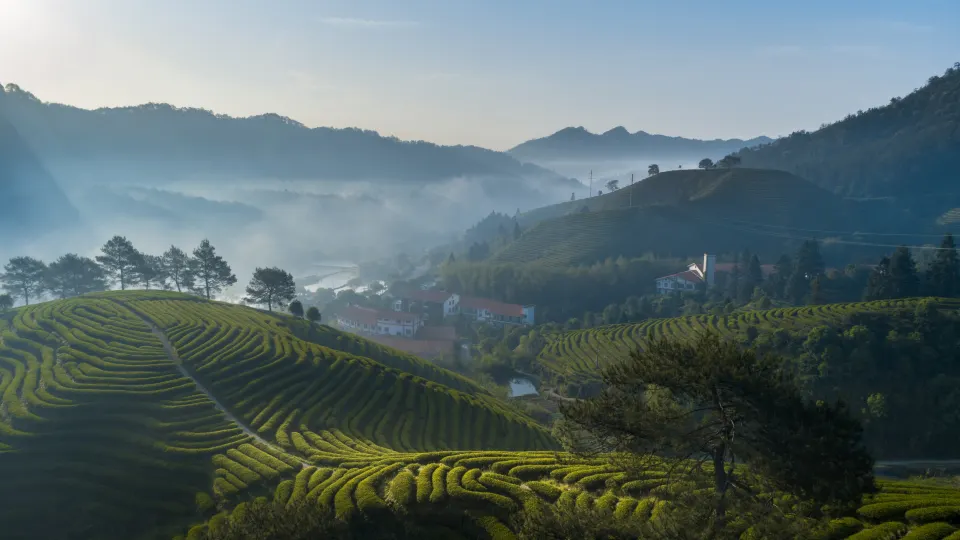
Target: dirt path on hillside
{"x": 175, "y": 358}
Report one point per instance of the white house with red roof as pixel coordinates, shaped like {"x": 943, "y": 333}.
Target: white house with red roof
{"x": 689, "y": 279}
{"x": 373, "y": 321}
{"x": 706, "y": 272}
{"x": 480, "y": 309}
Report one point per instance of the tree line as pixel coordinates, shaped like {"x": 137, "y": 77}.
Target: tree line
{"x": 121, "y": 265}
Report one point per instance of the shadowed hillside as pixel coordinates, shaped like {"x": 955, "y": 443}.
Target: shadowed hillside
{"x": 907, "y": 150}
{"x": 32, "y": 200}
{"x": 680, "y": 213}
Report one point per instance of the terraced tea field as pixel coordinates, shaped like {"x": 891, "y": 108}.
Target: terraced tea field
{"x": 580, "y": 353}
{"x": 138, "y": 414}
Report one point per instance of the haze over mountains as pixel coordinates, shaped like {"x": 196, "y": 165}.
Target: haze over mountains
{"x": 195, "y": 173}
{"x": 574, "y": 150}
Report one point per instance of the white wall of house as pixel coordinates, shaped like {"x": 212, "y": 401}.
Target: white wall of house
{"x": 528, "y": 318}
{"x": 666, "y": 285}
{"x": 398, "y": 327}
{"x": 452, "y": 305}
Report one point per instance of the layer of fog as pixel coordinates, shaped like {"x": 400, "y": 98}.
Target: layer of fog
{"x": 615, "y": 169}
{"x": 295, "y": 225}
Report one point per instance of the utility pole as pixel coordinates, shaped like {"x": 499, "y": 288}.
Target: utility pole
{"x": 631, "y": 191}
{"x": 591, "y": 184}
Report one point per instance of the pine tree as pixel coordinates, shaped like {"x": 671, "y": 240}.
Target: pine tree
{"x": 781, "y": 275}
{"x": 809, "y": 264}
{"x": 943, "y": 277}
{"x": 733, "y": 285}
{"x": 120, "y": 260}
{"x": 211, "y": 271}
{"x": 271, "y": 286}
{"x": 751, "y": 278}
{"x": 904, "y": 282}
{"x": 24, "y": 277}
{"x": 176, "y": 265}
{"x": 878, "y": 284}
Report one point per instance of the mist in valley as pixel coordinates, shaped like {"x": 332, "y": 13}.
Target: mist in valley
{"x": 255, "y": 222}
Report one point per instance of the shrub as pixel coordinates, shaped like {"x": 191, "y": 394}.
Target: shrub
{"x": 934, "y": 513}
{"x": 930, "y": 531}
{"x": 885, "y": 531}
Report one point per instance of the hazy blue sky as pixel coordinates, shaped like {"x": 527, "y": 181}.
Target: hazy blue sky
{"x": 486, "y": 72}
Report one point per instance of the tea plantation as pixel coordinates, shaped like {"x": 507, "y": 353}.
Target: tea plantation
{"x": 141, "y": 414}
{"x": 580, "y": 353}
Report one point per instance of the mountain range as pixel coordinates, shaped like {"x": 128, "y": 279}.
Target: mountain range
{"x": 163, "y": 141}
{"x": 32, "y": 200}
{"x": 906, "y": 151}
{"x": 576, "y": 143}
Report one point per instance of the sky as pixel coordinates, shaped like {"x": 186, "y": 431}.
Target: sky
{"x": 490, "y": 73}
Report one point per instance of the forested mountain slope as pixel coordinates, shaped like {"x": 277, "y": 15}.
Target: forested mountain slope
{"x": 32, "y": 200}
{"x": 161, "y": 139}
{"x": 908, "y": 150}
{"x": 683, "y": 213}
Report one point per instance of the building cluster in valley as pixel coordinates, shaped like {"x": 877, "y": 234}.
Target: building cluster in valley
{"x": 418, "y": 322}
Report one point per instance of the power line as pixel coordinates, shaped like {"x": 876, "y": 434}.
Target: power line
{"x": 826, "y": 231}
{"x": 832, "y": 241}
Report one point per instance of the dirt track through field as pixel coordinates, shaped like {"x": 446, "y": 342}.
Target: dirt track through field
{"x": 175, "y": 358}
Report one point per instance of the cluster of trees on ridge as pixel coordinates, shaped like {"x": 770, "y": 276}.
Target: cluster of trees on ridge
{"x": 121, "y": 265}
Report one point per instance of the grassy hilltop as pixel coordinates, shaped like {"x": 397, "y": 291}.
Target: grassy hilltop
{"x": 137, "y": 414}
{"x": 681, "y": 213}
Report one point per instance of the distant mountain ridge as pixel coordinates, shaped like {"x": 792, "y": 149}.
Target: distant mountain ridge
{"x": 161, "y": 139}
{"x": 618, "y": 143}
{"x": 32, "y": 199}
{"x": 907, "y": 150}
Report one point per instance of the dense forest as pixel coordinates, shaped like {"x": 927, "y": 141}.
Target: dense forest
{"x": 908, "y": 150}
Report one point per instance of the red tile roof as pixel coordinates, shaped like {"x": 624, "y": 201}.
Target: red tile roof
{"x": 418, "y": 295}
{"x": 499, "y": 308}
{"x": 441, "y": 333}
{"x": 370, "y": 316}
{"x": 361, "y": 315}
{"x": 419, "y": 347}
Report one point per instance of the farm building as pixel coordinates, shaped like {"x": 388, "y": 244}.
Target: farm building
{"x": 376, "y": 322}
{"x": 708, "y": 272}
{"x": 447, "y": 304}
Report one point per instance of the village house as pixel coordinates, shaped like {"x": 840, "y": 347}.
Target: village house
{"x": 708, "y": 273}
{"x": 447, "y": 304}
{"x": 372, "y": 321}
{"x": 695, "y": 275}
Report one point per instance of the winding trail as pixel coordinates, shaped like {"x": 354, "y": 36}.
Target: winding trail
{"x": 175, "y": 358}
